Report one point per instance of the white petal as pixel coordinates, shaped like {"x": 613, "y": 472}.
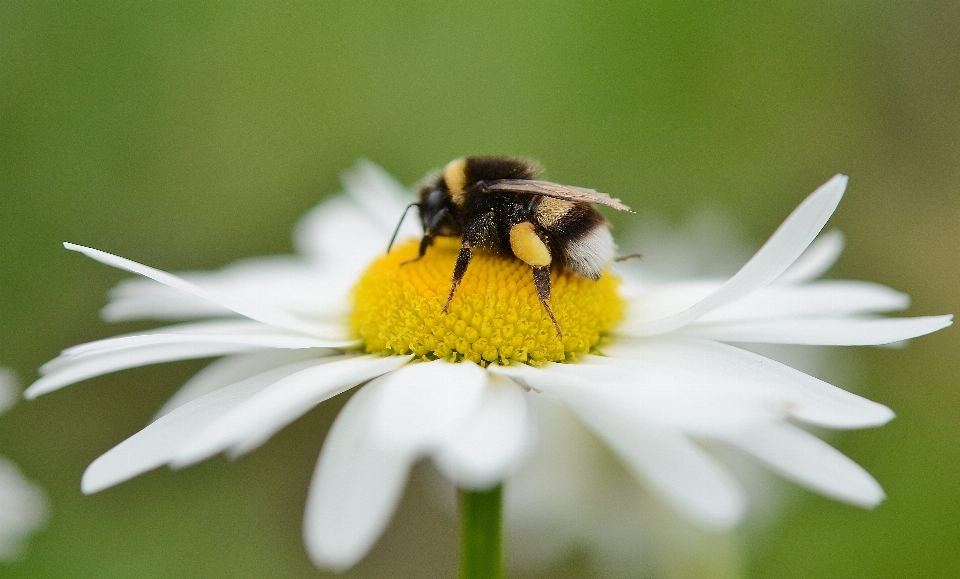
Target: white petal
{"x": 222, "y": 331}
{"x": 277, "y": 281}
{"x": 381, "y": 196}
{"x": 776, "y": 255}
{"x": 174, "y": 307}
{"x": 677, "y": 469}
{"x": 491, "y": 442}
{"x": 252, "y": 423}
{"x": 355, "y": 488}
{"x": 808, "y": 461}
{"x": 273, "y": 317}
{"x": 113, "y": 361}
{"x": 230, "y": 370}
{"x": 658, "y": 394}
{"x": 156, "y": 444}
{"x": 652, "y": 302}
{"x": 357, "y": 226}
{"x": 823, "y": 332}
{"x": 816, "y": 260}
{"x": 422, "y": 403}
{"x": 829, "y": 298}
{"x": 236, "y": 331}
{"x": 366, "y": 457}
{"x": 276, "y": 339}
{"x": 821, "y": 299}
{"x": 803, "y": 397}
{"x": 339, "y": 230}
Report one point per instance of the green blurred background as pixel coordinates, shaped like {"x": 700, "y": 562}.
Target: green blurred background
{"x": 186, "y": 136}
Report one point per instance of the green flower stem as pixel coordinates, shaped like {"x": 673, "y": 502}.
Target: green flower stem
{"x": 481, "y": 550}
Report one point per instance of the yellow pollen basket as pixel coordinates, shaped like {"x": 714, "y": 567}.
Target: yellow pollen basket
{"x": 495, "y": 316}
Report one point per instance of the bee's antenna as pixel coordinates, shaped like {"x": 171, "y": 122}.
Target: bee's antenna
{"x": 397, "y": 230}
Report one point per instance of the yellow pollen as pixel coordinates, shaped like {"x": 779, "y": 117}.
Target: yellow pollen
{"x": 495, "y": 315}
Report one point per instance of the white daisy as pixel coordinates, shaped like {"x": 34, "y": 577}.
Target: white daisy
{"x": 23, "y": 506}
{"x": 655, "y": 376}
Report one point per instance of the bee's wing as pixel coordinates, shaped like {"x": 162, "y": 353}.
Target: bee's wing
{"x": 548, "y": 189}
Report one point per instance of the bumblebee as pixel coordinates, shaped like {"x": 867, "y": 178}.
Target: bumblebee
{"x": 497, "y": 204}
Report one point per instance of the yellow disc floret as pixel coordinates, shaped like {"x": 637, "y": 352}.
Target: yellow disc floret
{"x": 495, "y": 315}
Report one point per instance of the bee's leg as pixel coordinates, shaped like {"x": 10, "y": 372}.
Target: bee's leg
{"x": 541, "y": 281}
{"x": 425, "y": 242}
{"x": 463, "y": 260}
{"x": 628, "y": 257}
{"x": 530, "y": 249}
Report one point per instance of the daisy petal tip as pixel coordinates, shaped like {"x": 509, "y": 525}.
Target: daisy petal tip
{"x": 364, "y": 166}
{"x": 328, "y": 555}
{"x": 88, "y": 251}
{"x": 879, "y": 498}
{"x": 729, "y": 514}
{"x": 328, "y": 563}
{"x": 103, "y": 473}
{"x": 878, "y": 417}
{"x": 826, "y": 197}
{"x": 929, "y": 324}
{"x": 93, "y": 481}
{"x": 874, "y": 420}
{"x": 832, "y": 191}
{"x": 38, "y": 389}
{"x": 868, "y": 497}
{"x": 867, "y": 415}
{"x": 886, "y": 416}
{"x": 837, "y": 184}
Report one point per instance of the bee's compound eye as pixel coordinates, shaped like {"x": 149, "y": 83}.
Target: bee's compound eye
{"x": 433, "y": 203}
{"x": 435, "y": 200}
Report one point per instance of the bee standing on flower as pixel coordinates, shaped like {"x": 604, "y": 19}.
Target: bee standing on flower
{"x": 496, "y": 203}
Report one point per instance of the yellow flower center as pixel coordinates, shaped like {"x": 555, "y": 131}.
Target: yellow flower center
{"x": 495, "y": 315}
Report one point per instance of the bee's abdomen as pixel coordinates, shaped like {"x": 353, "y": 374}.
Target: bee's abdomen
{"x": 550, "y": 212}
{"x": 591, "y": 253}
{"x": 578, "y": 233}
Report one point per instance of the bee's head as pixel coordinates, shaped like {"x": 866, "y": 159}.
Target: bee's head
{"x": 437, "y": 207}
{"x": 442, "y": 195}
{"x": 434, "y": 201}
